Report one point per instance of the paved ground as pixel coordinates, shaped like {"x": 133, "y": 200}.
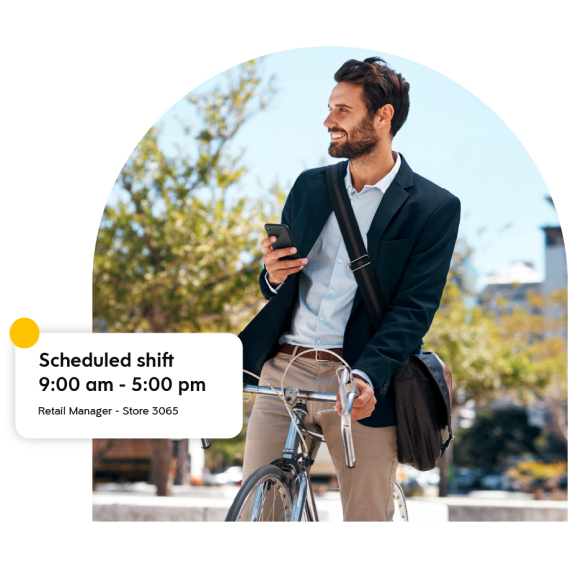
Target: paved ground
{"x": 137, "y": 502}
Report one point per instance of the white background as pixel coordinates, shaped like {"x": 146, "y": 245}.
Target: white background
{"x": 82, "y": 82}
{"x": 214, "y": 410}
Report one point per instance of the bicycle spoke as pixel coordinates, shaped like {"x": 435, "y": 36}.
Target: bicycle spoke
{"x": 400, "y": 509}
{"x": 273, "y": 508}
{"x": 267, "y": 500}
{"x": 258, "y": 503}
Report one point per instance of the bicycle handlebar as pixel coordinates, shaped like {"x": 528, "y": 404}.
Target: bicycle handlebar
{"x": 347, "y": 395}
{"x": 291, "y": 394}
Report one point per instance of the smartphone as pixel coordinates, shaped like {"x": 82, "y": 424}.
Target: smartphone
{"x": 284, "y": 239}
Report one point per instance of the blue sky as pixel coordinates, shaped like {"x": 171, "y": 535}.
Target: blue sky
{"x": 450, "y": 137}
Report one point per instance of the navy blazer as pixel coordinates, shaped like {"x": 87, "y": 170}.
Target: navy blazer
{"x": 410, "y": 244}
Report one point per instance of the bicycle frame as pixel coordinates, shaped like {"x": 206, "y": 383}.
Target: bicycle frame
{"x": 294, "y": 459}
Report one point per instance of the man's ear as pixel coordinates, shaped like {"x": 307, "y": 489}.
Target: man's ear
{"x": 383, "y": 116}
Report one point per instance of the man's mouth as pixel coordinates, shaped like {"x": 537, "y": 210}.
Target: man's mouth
{"x": 337, "y": 135}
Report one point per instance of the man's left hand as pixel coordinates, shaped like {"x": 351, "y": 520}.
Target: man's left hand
{"x": 364, "y": 404}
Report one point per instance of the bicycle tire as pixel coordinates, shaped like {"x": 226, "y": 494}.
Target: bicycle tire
{"x": 248, "y": 490}
{"x": 401, "y": 509}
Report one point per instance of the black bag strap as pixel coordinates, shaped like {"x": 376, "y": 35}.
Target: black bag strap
{"x": 364, "y": 274}
{"x": 360, "y": 263}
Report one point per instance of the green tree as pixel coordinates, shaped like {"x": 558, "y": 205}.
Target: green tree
{"x": 520, "y": 355}
{"x": 485, "y": 359}
{"x": 496, "y": 435}
{"x": 179, "y": 250}
{"x": 548, "y": 355}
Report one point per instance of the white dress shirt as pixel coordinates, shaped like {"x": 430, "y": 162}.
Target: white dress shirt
{"x": 327, "y": 285}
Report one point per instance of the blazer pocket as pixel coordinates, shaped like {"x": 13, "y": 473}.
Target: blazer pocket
{"x": 394, "y": 244}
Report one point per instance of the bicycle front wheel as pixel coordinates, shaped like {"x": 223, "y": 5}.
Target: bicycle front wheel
{"x": 264, "y": 496}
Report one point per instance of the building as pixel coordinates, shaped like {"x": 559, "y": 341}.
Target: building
{"x": 555, "y": 267}
{"x": 555, "y": 260}
{"x": 511, "y": 288}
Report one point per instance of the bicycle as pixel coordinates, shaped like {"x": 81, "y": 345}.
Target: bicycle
{"x": 282, "y": 490}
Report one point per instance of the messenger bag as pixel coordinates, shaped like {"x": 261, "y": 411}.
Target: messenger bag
{"x": 423, "y": 383}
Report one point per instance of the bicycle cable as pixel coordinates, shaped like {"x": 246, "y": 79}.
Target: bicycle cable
{"x": 281, "y": 395}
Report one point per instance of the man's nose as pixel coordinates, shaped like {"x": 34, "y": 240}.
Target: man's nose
{"x": 330, "y": 121}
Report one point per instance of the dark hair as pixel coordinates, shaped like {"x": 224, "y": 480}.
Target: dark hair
{"x": 381, "y": 86}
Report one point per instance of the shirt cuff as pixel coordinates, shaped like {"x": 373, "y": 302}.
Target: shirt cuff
{"x": 364, "y": 376}
{"x": 270, "y": 287}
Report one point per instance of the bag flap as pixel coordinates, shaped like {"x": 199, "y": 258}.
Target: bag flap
{"x": 441, "y": 375}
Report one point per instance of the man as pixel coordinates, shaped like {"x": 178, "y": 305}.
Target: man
{"x": 409, "y": 226}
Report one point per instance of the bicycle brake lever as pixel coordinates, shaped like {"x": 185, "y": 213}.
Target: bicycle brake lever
{"x": 329, "y": 410}
{"x": 347, "y": 395}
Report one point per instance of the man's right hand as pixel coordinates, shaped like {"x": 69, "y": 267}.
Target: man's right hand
{"x": 278, "y": 270}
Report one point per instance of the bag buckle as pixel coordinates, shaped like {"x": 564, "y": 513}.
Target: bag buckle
{"x": 362, "y": 266}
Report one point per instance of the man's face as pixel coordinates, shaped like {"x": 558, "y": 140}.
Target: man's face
{"x": 352, "y": 131}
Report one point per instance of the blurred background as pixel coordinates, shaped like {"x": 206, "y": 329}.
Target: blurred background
{"x": 178, "y": 251}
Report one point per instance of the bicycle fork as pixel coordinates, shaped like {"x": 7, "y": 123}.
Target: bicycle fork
{"x": 303, "y": 504}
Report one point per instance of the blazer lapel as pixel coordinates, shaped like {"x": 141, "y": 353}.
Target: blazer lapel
{"x": 392, "y": 201}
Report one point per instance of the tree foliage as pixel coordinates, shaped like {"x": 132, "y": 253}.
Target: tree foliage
{"x": 497, "y": 435}
{"x": 544, "y": 480}
{"x": 178, "y": 251}
{"x": 520, "y": 354}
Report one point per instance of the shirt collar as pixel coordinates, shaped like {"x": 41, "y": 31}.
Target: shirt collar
{"x": 382, "y": 184}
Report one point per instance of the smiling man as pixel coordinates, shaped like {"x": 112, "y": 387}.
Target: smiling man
{"x": 409, "y": 226}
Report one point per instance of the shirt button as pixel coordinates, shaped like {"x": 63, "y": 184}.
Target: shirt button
{"x": 322, "y": 318}
{"x": 318, "y": 341}
{"x": 331, "y": 290}
{"x": 355, "y": 198}
{"x": 339, "y": 260}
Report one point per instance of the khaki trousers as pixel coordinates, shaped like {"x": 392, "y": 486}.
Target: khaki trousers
{"x": 367, "y": 489}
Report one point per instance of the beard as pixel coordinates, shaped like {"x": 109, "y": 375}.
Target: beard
{"x": 359, "y": 143}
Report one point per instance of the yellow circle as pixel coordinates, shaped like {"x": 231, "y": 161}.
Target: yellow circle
{"x": 24, "y": 333}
